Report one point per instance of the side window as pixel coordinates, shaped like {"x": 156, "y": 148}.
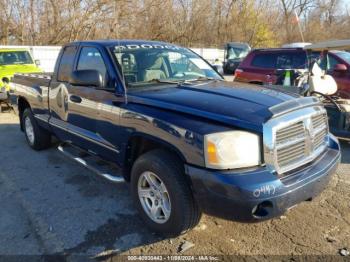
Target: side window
{"x": 90, "y": 59}
{"x": 292, "y": 60}
{"x": 299, "y": 60}
{"x": 322, "y": 62}
{"x": 264, "y": 61}
{"x": 332, "y": 62}
{"x": 66, "y": 64}
{"x": 284, "y": 61}
{"x": 314, "y": 57}
{"x": 328, "y": 63}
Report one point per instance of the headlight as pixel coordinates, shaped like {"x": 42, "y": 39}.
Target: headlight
{"x": 232, "y": 149}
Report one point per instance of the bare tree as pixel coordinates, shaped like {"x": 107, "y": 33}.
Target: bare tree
{"x": 186, "y": 22}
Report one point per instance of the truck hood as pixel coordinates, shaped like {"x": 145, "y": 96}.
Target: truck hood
{"x": 238, "y": 105}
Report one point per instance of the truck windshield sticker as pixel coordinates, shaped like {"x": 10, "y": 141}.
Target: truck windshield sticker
{"x": 148, "y": 46}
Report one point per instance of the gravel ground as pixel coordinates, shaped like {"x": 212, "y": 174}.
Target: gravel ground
{"x": 50, "y": 205}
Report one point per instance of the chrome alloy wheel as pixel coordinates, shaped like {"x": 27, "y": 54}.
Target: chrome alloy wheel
{"x": 29, "y": 130}
{"x": 154, "y": 197}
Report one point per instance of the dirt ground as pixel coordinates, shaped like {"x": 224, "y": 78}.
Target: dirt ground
{"x": 50, "y": 205}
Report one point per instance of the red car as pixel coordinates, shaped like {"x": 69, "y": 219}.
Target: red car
{"x": 260, "y": 65}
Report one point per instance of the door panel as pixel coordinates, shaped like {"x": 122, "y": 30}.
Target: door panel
{"x": 58, "y": 95}
{"x": 107, "y": 125}
{"x": 84, "y": 115}
{"x": 91, "y": 111}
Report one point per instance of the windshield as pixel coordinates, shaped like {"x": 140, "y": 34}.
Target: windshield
{"x": 145, "y": 64}
{"x": 345, "y": 56}
{"x": 235, "y": 53}
{"x": 15, "y": 58}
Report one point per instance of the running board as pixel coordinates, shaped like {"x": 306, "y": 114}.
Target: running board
{"x": 94, "y": 163}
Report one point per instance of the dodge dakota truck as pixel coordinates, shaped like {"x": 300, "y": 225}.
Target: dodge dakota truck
{"x": 159, "y": 117}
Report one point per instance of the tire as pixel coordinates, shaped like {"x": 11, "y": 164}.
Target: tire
{"x": 37, "y": 137}
{"x": 184, "y": 211}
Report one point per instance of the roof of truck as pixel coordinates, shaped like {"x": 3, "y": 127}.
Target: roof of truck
{"x": 116, "y": 42}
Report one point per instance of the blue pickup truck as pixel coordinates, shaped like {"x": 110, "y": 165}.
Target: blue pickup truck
{"x": 160, "y": 117}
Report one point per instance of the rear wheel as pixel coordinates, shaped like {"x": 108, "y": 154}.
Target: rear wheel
{"x": 162, "y": 194}
{"x": 37, "y": 137}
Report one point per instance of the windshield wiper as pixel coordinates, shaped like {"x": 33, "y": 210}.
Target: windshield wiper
{"x": 156, "y": 80}
{"x": 179, "y": 82}
{"x": 201, "y": 78}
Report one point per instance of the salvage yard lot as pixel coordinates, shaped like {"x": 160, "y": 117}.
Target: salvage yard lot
{"x": 50, "y": 205}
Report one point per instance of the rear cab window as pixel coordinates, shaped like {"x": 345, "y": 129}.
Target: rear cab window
{"x": 66, "y": 64}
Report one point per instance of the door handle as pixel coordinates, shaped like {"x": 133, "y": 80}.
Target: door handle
{"x": 75, "y": 99}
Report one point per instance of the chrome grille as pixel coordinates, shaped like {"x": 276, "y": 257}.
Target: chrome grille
{"x": 295, "y": 130}
{"x": 320, "y": 130}
{"x": 296, "y": 138}
{"x": 319, "y": 139}
{"x": 291, "y": 154}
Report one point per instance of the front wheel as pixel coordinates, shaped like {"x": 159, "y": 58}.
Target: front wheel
{"x": 162, "y": 194}
{"x": 37, "y": 137}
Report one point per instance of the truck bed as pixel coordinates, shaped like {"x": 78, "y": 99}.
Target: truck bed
{"x": 30, "y": 79}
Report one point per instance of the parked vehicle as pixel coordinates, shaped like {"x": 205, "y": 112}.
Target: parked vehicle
{"x": 15, "y": 61}
{"x": 318, "y": 82}
{"x": 261, "y": 66}
{"x": 187, "y": 141}
{"x": 233, "y": 56}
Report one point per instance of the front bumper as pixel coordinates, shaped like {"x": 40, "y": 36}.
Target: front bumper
{"x": 259, "y": 194}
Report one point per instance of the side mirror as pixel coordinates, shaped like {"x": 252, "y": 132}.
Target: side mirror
{"x": 340, "y": 68}
{"x": 86, "y": 78}
{"x": 37, "y": 62}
